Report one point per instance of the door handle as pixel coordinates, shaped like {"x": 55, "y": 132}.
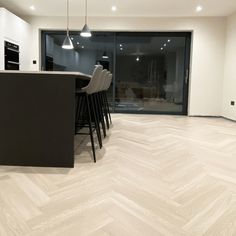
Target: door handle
{"x": 186, "y": 76}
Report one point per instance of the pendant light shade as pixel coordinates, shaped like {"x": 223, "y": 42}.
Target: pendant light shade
{"x": 105, "y": 56}
{"x": 86, "y": 31}
{"x": 67, "y": 44}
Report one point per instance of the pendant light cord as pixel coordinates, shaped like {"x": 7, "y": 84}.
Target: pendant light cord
{"x": 67, "y": 5}
{"x": 86, "y": 9}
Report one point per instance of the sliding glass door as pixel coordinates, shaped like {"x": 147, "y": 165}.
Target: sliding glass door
{"x": 150, "y": 70}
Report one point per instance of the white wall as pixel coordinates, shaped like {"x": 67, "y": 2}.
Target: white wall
{"x": 15, "y": 30}
{"x": 229, "y": 83}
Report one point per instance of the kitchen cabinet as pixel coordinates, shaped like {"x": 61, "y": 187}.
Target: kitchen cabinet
{"x": 16, "y": 31}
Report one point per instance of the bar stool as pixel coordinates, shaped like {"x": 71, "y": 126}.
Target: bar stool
{"x": 105, "y": 83}
{"x": 98, "y": 100}
{"x": 103, "y": 87}
{"x": 86, "y": 113}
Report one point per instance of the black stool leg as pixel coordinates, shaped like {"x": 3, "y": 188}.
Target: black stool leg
{"x": 76, "y": 109}
{"x": 102, "y": 115}
{"x": 95, "y": 114}
{"x": 81, "y": 106}
{"x": 90, "y": 127}
{"x": 101, "y": 118}
{"x": 105, "y": 109}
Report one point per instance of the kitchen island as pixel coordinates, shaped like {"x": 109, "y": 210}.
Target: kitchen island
{"x": 37, "y": 112}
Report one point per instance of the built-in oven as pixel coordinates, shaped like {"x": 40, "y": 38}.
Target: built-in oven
{"x": 12, "y": 59}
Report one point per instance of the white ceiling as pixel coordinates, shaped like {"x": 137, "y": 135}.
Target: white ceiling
{"x": 124, "y": 7}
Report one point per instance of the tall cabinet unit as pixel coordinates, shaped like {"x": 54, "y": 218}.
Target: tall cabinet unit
{"x": 12, "y": 56}
{"x": 15, "y": 42}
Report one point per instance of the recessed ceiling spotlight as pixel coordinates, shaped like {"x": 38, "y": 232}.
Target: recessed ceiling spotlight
{"x": 121, "y": 49}
{"x": 168, "y": 40}
{"x": 113, "y": 8}
{"x": 72, "y": 38}
{"x": 165, "y": 45}
{"x": 32, "y": 7}
{"x": 77, "y": 43}
{"x": 199, "y": 8}
{"x": 121, "y": 45}
{"x": 137, "y": 59}
{"x": 82, "y": 47}
{"x": 162, "y": 49}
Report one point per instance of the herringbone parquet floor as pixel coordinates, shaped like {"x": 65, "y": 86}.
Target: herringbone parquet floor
{"x": 156, "y": 175}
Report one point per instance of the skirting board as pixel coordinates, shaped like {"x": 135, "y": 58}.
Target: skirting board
{"x": 213, "y": 117}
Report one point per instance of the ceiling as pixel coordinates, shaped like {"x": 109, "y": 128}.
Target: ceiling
{"x": 124, "y": 7}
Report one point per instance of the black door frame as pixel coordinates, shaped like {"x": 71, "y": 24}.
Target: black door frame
{"x": 188, "y": 38}
{"x": 187, "y": 73}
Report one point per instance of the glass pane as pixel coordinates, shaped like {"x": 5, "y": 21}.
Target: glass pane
{"x": 149, "y": 73}
{"x": 87, "y": 52}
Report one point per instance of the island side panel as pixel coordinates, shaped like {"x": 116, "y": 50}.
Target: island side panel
{"x": 37, "y": 120}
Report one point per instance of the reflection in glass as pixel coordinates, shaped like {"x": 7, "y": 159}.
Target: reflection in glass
{"x": 87, "y": 52}
{"x": 149, "y": 73}
{"x": 148, "y": 68}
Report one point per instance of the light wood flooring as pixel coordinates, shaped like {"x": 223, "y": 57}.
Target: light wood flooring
{"x": 156, "y": 175}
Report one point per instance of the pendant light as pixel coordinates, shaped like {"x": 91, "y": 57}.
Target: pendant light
{"x": 67, "y": 44}
{"x": 105, "y": 56}
{"x": 86, "y": 31}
